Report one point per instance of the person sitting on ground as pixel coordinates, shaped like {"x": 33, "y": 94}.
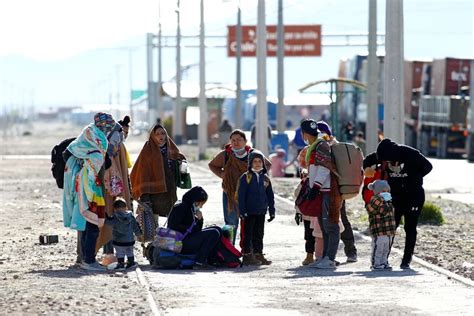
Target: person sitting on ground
{"x": 124, "y": 228}
{"x": 255, "y": 198}
{"x": 279, "y": 164}
{"x": 382, "y": 224}
{"x": 186, "y": 217}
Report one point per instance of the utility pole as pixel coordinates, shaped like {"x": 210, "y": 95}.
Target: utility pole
{"x": 117, "y": 78}
{"x": 371, "y": 128}
{"x": 394, "y": 115}
{"x": 281, "y": 79}
{"x": 130, "y": 81}
{"x": 151, "y": 87}
{"x": 161, "y": 107}
{"x": 238, "y": 89}
{"x": 470, "y": 139}
{"x": 262, "y": 113}
{"x": 177, "y": 129}
{"x": 202, "y": 128}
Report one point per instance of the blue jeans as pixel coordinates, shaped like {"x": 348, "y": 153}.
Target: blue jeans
{"x": 88, "y": 241}
{"x": 330, "y": 230}
{"x": 230, "y": 218}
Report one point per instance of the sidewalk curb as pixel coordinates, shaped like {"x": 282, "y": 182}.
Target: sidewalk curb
{"x": 420, "y": 261}
{"x": 155, "y": 308}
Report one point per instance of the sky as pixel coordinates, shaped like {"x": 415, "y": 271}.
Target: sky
{"x": 68, "y": 52}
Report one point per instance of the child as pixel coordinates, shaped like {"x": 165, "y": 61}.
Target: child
{"x": 124, "y": 227}
{"x": 279, "y": 165}
{"x": 255, "y": 197}
{"x": 382, "y": 224}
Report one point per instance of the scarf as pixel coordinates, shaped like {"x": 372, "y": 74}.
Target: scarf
{"x": 148, "y": 173}
{"x": 83, "y": 196}
{"x": 234, "y": 168}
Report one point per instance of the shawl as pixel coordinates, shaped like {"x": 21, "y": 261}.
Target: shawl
{"x": 234, "y": 168}
{"x": 148, "y": 174}
{"x": 83, "y": 197}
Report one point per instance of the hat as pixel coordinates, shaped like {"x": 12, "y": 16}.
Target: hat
{"x": 324, "y": 128}
{"x": 125, "y": 121}
{"x": 281, "y": 152}
{"x": 378, "y": 186}
{"x": 388, "y": 150}
{"x": 309, "y": 126}
{"x": 104, "y": 121}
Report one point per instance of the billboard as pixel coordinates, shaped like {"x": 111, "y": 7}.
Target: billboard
{"x": 300, "y": 40}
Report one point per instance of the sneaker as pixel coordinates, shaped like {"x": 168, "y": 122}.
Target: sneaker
{"x": 120, "y": 267}
{"x": 351, "y": 259}
{"x": 325, "y": 263}
{"x": 387, "y": 267}
{"x": 315, "y": 262}
{"x": 405, "y": 266}
{"x": 94, "y": 266}
{"x": 380, "y": 267}
{"x": 131, "y": 265}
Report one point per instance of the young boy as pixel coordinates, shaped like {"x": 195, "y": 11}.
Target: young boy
{"x": 124, "y": 228}
{"x": 382, "y": 224}
{"x": 255, "y": 197}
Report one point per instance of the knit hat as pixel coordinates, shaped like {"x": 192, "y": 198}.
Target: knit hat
{"x": 378, "y": 186}
{"x": 104, "y": 122}
{"x": 324, "y": 128}
{"x": 309, "y": 126}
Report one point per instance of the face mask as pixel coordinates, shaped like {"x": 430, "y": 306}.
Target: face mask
{"x": 235, "y": 150}
{"x": 306, "y": 142}
{"x": 396, "y": 169}
{"x": 386, "y": 196}
{"x": 257, "y": 170}
{"x": 196, "y": 208}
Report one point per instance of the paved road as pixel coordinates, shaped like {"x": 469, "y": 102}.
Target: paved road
{"x": 287, "y": 288}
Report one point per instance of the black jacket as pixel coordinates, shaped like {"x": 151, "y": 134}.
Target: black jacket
{"x": 415, "y": 166}
{"x": 182, "y": 215}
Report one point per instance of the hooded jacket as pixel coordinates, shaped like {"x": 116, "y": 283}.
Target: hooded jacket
{"x": 124, "y": 228}
{"x": 183, "y": 215}
{"x": 414, "y": 166}
{"x": 254, "y": 191}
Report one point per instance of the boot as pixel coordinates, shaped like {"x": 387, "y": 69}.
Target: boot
{"x": 260, "y": 257}
{"x": 250, "y": 260}
{"x": 309, "y": 259}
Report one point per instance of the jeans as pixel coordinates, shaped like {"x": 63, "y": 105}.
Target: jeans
{"x": 230, "y": 218}
{"x": 253, "y": 233}
{"x": 88, "y": 241}
{"x": 347, "y": 236}
{"x": 331, "y": 233}
{"x": 202, "y": 243}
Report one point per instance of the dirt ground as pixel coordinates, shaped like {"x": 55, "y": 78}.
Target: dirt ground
{"x": 31, "y": 205}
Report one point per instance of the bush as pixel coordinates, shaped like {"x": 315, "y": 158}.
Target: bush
{"x": 431, "y": 214}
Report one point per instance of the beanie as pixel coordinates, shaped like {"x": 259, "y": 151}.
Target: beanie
{"x": 324, "y": 128}
{"x": 378, "y": 186}
{"x": 309, "y": 126}
{"x": 388, "y": 150}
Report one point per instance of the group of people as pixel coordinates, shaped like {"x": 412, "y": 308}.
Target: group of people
{"x": 98, "y": 193}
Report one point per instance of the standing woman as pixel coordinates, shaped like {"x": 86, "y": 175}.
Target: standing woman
{"x": 229, "y": 164}
{"x": 153, "y": 177}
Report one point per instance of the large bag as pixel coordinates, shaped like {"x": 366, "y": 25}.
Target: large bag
{"x": 163, "y": 259}
{"x": 146, "y": 221}
{"x": 307, "y": 207}
{"x": 183, "y": 176}
{"x": 350, "y": 174}
{"x": 226, "y": 255}
{"x": 171, "y": 240}
{"x": 57, "y": 169}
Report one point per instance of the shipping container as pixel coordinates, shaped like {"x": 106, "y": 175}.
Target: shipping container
{"x": 448, "y": 75}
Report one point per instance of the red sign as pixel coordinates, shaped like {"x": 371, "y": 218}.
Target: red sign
{"x": 300, "y": 40}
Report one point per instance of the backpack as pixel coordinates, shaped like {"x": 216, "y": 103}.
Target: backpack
{"x": 348, "y": 159}
{"x": 57, "y": 169}
{"x": 164, "y": 259}
{"x": 226, "y": 255}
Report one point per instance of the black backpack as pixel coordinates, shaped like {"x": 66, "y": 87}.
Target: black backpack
{"x": 58, "y": 162}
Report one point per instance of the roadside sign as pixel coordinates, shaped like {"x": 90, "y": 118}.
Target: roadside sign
{"x": 300, "y": 40}
{"x": 136, "y": 94}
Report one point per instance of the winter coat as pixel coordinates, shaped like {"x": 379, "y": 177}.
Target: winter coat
{"x": 414, "y": 166}
{"x": 254, "y": 192}
{"x": 183, "y": 215}
{"x": 124, "y": 228}
{"x": 381, "y": 217}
